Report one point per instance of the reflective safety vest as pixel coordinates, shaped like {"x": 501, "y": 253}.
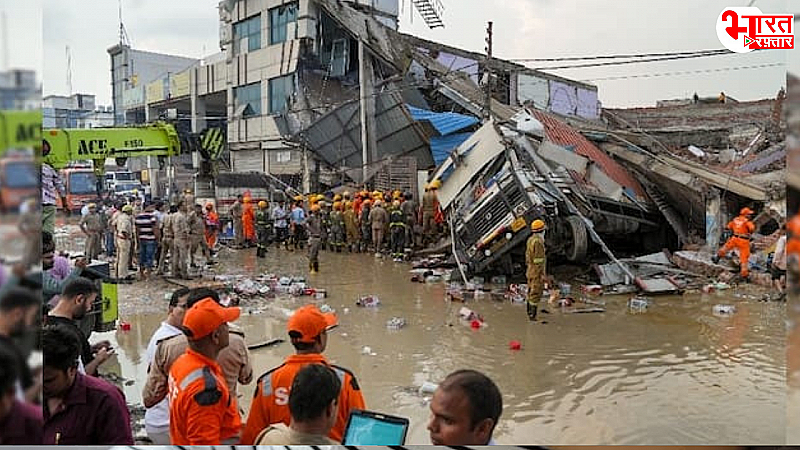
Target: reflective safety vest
{"x": 397, "y": 218}
{"x": 201, "y": 409}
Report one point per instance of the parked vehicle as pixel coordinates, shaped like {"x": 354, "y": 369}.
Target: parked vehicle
{"x": 19, "y": 180}
{"x": 501, "y": 179}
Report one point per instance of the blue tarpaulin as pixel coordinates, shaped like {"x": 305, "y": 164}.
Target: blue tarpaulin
{"x": 444, "y": 123}
{"x": 442, "y": 146}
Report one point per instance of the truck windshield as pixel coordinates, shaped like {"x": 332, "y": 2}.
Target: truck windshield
{"x": 81, "y": 183}
{"x": 125, "y": 176}
{"x": 21, "y": 174}
{"x": 121, "y": 187}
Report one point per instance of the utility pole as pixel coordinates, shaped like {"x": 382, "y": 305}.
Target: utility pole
{"x": 4, "y": 24}
{"x": 487, "y": 73}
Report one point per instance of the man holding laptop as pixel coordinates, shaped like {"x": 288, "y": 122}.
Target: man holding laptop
{"x": 308, "y": 332}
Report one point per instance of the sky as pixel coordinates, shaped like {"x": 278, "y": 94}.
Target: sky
{"x": 522, "y": 29}
{"x": 24, "y": 20}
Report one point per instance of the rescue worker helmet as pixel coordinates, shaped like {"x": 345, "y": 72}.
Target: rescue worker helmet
{"x": 314, "y": 208}
{"x": 366, "y": 202}
{"x": 336, "y": 205}
{"x": 396, "y": 203}
{"x": 436, "y": 184}
{"x": 538, "y": 225}
{"x": 262, "y": 204}
{"x": 746, "y": 211}
{"x": 298, "y": 198}
{"x": 346, "y": 194}
{"x": 337, "y": 197}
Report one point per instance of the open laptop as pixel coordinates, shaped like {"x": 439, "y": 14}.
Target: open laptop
{"x": 372, "y": 428}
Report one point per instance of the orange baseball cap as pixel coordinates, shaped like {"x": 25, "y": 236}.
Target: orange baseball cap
{"x": 310, "y": 322}
{"x": 206, "y": 316}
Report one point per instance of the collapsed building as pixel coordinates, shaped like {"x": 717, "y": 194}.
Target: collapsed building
{"x": 324, "y": 93}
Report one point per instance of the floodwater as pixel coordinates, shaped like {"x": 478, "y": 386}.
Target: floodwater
{"x": 675, "y": 374}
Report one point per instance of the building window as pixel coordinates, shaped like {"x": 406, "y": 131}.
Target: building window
{"x": 248, "y": 100}
{"x": 278, "y": 19}
{"x": 280, "y": 92}
{"x": 250, "y": 30}
{"x": 284, "y": 157}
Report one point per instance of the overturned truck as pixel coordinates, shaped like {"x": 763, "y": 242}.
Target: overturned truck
{"x": 507, "y": 175}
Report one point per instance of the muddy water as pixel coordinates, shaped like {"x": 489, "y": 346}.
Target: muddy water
{"x": 675, "y": 374}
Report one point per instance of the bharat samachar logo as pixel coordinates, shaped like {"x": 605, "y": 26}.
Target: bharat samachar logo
{"x": 742, "y": 29}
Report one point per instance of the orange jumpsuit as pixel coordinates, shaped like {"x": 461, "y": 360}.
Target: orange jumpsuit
{"x": 742, "y": 228}
{"x": 212, "y": 228}
{"x": 793, "y": 243}
{"x": 249, "y": 222}
{"x": 201, "y": 409}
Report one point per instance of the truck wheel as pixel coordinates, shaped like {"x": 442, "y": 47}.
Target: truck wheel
{"x": 578, "y": 245}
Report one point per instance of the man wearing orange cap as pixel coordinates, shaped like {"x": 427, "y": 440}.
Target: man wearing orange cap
{"x": 308, "y": 332}
{"x": 201, "y": 409}
{"x": 742, "y": 228}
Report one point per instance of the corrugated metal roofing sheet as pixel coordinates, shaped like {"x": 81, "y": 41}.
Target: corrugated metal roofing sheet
{"x": 562, "y": 134}
{"x": 442, "y": 146}
{"x": 445, "y": 123}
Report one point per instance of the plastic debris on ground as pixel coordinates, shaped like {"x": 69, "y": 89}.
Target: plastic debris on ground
{"x": 395, "y": 323}
{"x": 638, "y": 304}
{"x": 515, "y": 345}
{"x": 468, "y": 314}
{"x": 368, "y": 301}
{"x": 368, "y": 351}
{"x": 429, "y": 275}
{"x": 724, "y": 310}
{"x": 429, "y": 262}
{"x": 325, "y": 309}
{"x": 240, "y": 287}
{"x": 428, "y": 388}
{"x": 517, "y": 293}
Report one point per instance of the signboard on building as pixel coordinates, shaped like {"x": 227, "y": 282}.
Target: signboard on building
{"x": 155, "y": 91}
{"x": 179, "y": 85}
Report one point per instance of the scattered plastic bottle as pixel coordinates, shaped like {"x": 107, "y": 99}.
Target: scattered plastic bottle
{"x": 638, "y": 304}
{"x": 395, "y": 323}
{"x": 724, "y": 310}
{"x": 428, "y": 388}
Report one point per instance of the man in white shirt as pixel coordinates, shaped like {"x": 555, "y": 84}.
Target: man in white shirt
{"x": 778, "y": 268}
{"x": 156, "y": 419}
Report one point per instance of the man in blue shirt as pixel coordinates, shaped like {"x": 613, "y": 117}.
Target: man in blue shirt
{"x": 298, "y": 217}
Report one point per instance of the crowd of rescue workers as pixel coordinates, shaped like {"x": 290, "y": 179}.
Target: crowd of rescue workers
{"x": 197, "y": 358}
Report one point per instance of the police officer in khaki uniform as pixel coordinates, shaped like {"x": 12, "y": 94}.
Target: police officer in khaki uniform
{"x": 197, "y": 225}
{"x": 167, "y": 238}
{"x": 124, "y": 238}
{"x": 181, "y": 233}
{"x": 92, "y": 227}
{"x": 237, "y": 210}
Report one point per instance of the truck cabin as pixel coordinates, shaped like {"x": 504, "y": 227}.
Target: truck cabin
{"x": 19, "y": 180}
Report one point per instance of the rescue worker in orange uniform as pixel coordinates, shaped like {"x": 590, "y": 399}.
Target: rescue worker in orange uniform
{"x": 793, "y": 253}
{"x": 212, "y": 226}
{"x": 201, "y": 408}
{"x": 249, "y": 222}
{"x": 308, "y": 332}
{"x": 743, "y": 229}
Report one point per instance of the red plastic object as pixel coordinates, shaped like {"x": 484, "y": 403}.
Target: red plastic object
{"x": 125, "y": 326}
{"x": 515, "y": 345}
{"x": 475, "y": 324}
